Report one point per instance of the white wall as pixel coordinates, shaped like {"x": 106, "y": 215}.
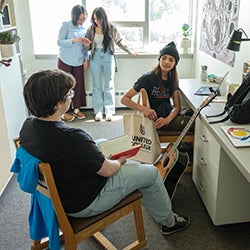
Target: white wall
{"x": 12, "y": 113}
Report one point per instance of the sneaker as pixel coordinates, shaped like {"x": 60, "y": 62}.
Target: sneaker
{"x": 79, "y": 115}
{"x": 68, "y": 118}
{"x": 181, "y": 223}
{"x": 109, "y": 117}
{"x": 98, "y": 116}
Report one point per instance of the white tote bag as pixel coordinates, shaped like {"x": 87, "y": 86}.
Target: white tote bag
{"x": 141, "y": 131}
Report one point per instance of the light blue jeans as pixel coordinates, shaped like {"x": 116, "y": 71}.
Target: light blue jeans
{"x": 102, "y": 67}
{"x": 130, "y": 177}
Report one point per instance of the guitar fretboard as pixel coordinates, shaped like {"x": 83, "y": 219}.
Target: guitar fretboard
{"x": 191, "y": 120}
{"x": 184, "y": 131}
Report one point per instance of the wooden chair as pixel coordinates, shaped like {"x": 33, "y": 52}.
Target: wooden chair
{"x": 75, "y": 230}
{"x": 172, "y": 135}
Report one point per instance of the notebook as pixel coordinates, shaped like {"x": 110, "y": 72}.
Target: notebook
{"x": 117, "y": 147}
{"x": 238, "y": 135}
{"x": 205, "y": 90}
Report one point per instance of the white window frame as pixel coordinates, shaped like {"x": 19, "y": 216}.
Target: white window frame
{"x": 145, "y": 25}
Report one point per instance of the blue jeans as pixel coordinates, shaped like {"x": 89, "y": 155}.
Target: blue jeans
{"x": 102, "y": 67}
{"x": 130, "y": 177}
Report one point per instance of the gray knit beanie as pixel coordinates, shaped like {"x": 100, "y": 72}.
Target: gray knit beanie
{"x": 170, "y": 49}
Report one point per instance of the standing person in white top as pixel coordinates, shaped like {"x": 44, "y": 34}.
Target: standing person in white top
{"x": 103, "y": 35}
{"x": 73, "y": 57}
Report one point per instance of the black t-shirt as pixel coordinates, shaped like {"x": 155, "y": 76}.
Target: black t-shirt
{"x": 74, "y": 157}
{"x": 159, "y": 100}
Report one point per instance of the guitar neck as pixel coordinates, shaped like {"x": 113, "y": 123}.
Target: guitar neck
{"x": 184, "y": 131}
{"x": 191, "y": 120}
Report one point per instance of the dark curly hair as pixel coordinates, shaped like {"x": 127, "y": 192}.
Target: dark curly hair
{"x": 45, "y": 89}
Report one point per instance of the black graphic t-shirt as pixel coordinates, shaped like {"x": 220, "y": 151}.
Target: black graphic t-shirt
{"x": 159, "y": 100}
{"x": 74, "y": 157}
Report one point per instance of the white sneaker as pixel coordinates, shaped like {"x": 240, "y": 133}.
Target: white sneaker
{"x": 98, "y": 116}
{"x": 109, "y": 117}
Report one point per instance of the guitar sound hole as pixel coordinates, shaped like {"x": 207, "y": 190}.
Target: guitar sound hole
{"x": 165, "y": 163}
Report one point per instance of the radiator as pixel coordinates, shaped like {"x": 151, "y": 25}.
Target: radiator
{"x": 118, "y": 96}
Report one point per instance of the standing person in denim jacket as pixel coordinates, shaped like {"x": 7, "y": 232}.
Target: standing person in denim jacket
{"x": 103, "y": 35}
{"x": 73, "y": 57}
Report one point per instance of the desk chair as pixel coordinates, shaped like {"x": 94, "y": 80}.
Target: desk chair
{"x": 75, "y": 230}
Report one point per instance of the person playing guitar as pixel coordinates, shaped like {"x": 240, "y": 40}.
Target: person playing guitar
{"x": 161, "y": 86}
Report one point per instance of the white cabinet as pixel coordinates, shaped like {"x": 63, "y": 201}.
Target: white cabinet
{"x": 12, "y": 115}
{"x": 223, "y": 189}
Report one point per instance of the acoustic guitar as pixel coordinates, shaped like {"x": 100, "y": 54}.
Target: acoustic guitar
{"x": 172, "y": 163}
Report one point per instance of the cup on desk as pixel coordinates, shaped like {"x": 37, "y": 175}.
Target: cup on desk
{"x": 203, "y": 73}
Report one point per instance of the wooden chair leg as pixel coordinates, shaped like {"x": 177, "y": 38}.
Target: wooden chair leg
{"x": 139, "y": 221}
{"x": 140, "y": 232}
{"x": 38, "y": 245}
{"x": 103, "y": 241}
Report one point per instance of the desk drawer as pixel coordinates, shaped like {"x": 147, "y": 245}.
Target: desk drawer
{"x": 209, "y": 170}
{"x": 210, "y": 148}
{"x": 207, "y": 194}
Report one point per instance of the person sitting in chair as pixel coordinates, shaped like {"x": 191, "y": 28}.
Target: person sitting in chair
{"x": 88, "y": 183}
{"x": 161, "y": 85}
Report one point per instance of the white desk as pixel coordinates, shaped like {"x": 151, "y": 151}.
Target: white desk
{"x": 221, "y": 172}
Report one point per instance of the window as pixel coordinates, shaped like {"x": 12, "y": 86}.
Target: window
{"x": 145, "y": 25}
{"x": 46, "y": 19}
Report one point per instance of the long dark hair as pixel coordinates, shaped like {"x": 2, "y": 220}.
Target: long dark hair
{"x": 102, "y": 17}
{"x": 76, "y": 11}
{"x": 172, "y": 78}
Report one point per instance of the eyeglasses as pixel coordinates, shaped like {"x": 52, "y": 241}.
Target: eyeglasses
{"x": 71, "y": 94}
{"x": 82, "y": 20}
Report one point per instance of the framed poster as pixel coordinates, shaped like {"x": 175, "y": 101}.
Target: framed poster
{"x": 219, "y": 19}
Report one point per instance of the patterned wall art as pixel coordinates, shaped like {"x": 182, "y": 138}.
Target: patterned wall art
{"x": 219, "y": 19}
